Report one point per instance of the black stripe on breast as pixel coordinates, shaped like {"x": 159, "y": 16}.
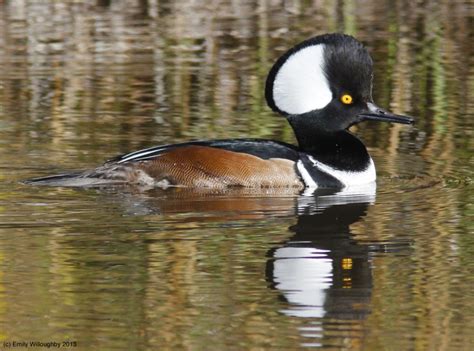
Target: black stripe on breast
{"x": 321, "y": 178}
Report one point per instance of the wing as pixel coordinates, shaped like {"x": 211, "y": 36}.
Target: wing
{"x": 262, "y": 148}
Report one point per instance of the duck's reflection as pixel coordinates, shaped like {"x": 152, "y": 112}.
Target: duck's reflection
{"x": 321, "y": 271}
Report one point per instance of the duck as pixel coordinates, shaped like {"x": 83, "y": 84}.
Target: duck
{"x": 322, "y": 86}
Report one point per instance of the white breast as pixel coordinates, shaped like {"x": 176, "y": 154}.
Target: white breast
{"x": 347, "y": 178}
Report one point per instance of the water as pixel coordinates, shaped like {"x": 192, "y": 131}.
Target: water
{"x": 125, "y": 269}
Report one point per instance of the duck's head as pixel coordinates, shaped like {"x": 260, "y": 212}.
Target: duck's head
{"x": 325, "y": 84}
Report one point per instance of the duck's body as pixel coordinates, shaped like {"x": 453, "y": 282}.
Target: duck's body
{"x": 322, "y": 86}
{"x": 231, "y": 163}
{"x": 211, "y": 164}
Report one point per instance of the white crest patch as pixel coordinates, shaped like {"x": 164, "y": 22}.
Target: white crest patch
{"x": 300, "y": 85}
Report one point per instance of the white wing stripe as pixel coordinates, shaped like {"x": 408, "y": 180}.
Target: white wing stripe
{"x": 139, "y": 154}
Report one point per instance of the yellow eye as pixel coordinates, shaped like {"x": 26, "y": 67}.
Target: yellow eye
{"x": 346, "y": 99}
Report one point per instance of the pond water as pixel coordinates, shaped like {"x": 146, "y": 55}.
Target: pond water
{"x": 127, "y": 269}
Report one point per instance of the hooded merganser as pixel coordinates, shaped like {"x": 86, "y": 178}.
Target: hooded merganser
{"x": 322, "y": 86}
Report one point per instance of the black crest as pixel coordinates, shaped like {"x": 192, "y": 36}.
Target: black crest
{"x": 348, "y": 66}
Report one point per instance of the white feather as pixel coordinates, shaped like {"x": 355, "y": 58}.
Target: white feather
{"x": 300, "y": 85}
{"x": 139, "y": 154}
{"x": 349, "y": 179}
{"x": 307, "y": 179}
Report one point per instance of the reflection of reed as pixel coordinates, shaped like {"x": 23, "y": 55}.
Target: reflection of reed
{"x": 81, "y": 82}
{"x": 191, "y": 69}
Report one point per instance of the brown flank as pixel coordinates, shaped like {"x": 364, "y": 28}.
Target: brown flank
{"x": 201, "y": 166}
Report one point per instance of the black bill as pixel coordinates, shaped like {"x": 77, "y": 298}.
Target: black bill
{"x": 375, "y": 113}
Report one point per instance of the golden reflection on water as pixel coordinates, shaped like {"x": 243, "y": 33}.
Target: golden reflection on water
{"x": 86, "y": 80}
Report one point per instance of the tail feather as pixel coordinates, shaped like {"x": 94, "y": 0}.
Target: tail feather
{"x": 107, "y": 174}
{"x": 73, "y": 179}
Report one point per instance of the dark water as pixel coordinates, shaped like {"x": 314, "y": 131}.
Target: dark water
{"x": 124, "y": 269}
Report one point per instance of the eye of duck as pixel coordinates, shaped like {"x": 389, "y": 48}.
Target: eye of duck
{"x": 347, "y": 99}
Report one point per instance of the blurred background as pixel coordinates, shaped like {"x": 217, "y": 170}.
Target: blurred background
{"x": 83, "y": 81}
